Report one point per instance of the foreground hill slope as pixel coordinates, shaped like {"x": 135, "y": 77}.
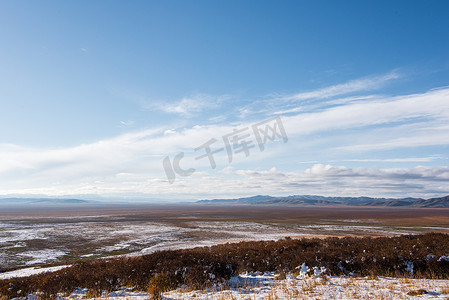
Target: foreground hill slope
{"x": 418, "y": 256}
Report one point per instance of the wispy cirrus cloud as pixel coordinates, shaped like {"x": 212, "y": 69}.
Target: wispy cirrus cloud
{"x": 358, "y": 85}
{"x": 430, "y": 136}
{"x": 400, "y": 160}
{"x": 188, "y": 106}
{"x": 132, "y": 163}
{"x": 336, "y": 95}
{"x": 430, "y": 109}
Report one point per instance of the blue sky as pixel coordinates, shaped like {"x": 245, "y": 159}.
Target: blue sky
{"x": 95, "y": 94}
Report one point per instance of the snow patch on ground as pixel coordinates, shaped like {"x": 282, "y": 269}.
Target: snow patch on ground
{"x": 30, "y": 271}
{"x": 258, "y": 285}
{"x": 42, "y": 256}
{"x": 265, "y": 286}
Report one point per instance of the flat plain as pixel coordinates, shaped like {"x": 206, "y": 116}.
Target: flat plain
{"x": 60, "y": 235}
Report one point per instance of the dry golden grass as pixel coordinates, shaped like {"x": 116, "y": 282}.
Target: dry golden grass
{"x": 192, "y": 267}
{"x": 91, "y": 293}
{"x": 445, "y": 290}
{"x": 417, "y": 292}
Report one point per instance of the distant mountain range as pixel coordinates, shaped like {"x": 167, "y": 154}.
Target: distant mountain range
{"x": 311, "y": 200}
{"x": 50, "y": 201}
{"x": 295, "y": 200}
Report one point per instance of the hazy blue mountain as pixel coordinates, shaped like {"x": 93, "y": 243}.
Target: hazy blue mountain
{"x": 37, "y": 201}
{"x": 253, "y": 199}
{"x": 314, "y": 200}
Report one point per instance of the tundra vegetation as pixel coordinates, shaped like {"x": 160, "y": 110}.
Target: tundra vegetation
{"x": 406, "y": 256}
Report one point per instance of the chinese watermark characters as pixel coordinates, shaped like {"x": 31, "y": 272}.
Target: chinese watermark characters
{"x": 236, "y": 142}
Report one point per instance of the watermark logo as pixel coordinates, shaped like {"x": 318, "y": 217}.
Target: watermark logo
{"x": 236, "y": 142}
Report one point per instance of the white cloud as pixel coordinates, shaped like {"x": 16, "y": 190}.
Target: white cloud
{"x": 288, "y": 111}
{"x": 344, "y": 181}
{"x": 407, "y": 159}
{"x": 185, "y": 107}
{"x": 218, "y": 119}
{"x": 188, "y": 106}
{"x": 430, "y": 136}
{"x": 327, "y": 180}
{"x": 169, "y": 131}
{"x": 126, "y": 123}
{"x": 131, "y": 164}
{"x": 278, "y": 104}
{"x": 427, "y": 107}
{"x": 271, "y": 172}
{"x": 358, "y": 85}
{"x": 92, "y": 168}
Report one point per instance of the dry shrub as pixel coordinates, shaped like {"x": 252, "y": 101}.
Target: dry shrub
{"x": 417, "y": 292}
{"x": 159, "y": 284}
{"x": 93, "y": 293}
{"x": 445, "y": 290}
{"x": 203, "y": 267}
